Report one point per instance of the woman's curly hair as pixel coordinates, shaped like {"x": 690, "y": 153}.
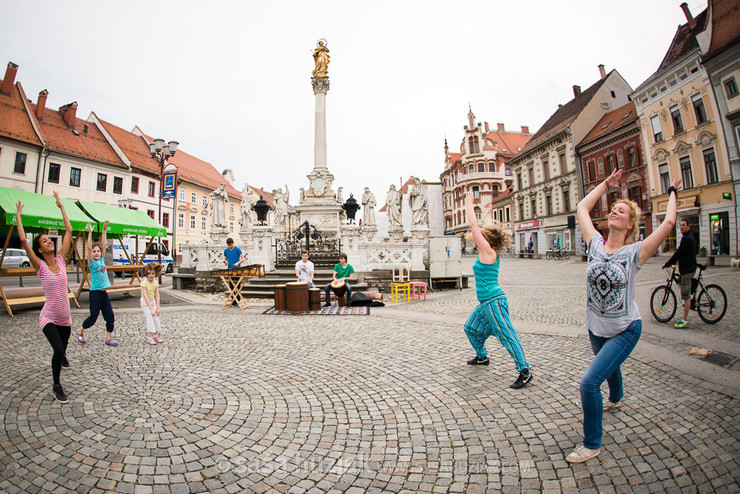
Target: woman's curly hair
{"x": 497, "y": 238}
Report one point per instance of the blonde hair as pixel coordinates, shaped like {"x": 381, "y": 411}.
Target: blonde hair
{"x": 496, "y": 237}
{"x": 153, "y": 267}
{"x": 635, "y": 215}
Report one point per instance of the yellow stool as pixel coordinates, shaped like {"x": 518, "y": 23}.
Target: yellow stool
{"x": 404, "y": 288}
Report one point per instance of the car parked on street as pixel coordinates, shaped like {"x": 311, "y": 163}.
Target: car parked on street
{"x": 15, "y": 258}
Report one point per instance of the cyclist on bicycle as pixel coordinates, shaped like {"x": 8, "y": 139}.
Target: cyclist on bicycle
{"x": 686, "y": 257}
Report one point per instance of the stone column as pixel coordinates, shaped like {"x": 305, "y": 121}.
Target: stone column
{"x": 320, "y": 88}
{"x": 260, "y": 247}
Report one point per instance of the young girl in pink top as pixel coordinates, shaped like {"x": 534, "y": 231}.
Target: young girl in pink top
{"x": 55, "y": 318}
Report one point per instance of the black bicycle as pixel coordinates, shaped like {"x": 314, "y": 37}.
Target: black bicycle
{"x": 711, "y": 304}
{"x": 557, "y": 254}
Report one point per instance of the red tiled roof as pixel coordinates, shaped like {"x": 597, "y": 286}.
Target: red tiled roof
{"x": 684, "y": 41}
{"x": 725, "y": 24}
{"x": 14, "y": 120}
{"x": 455, "y": 157}
{"x": 133, "y": 146}
{"x": 564, "y": 116}
{"x": 503, "y": 196}
{"x": 91, "y": 145}
{"x": 612, "y": 121}
{"x": 509, "y": 142}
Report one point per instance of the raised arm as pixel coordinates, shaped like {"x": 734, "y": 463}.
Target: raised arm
{"x": 88, "y": 247}
{"x": 485, "y": 252}
{"x": 588, "y": 202}
{"x": 652, "y": 242}
{"x": 35, "y": 261}
{"x": 104, "y": 238}
{"x": 67, "y": 239}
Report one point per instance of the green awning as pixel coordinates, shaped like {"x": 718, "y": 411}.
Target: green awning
{"x": 123, "y": 221}
{"x": 39, "y": 211}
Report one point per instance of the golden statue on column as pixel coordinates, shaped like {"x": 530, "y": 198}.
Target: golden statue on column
{"x": 321, "y": 58}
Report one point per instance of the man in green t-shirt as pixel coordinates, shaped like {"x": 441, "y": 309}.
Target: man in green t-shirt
{"x": 342, "y": 271}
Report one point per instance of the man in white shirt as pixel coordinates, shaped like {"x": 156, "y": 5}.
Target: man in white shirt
{"x": 304, "y": 270}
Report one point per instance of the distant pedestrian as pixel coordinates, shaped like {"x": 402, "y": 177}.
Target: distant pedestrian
{"x": 491, "y": 317}
{"x": 99, "y": 282}
{"x": 55, "y": 318}
{"x": 612, "y": 317}
{"x": 150, "y": 301}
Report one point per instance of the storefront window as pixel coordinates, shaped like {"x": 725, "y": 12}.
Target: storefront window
{"x": 719, "y": 231}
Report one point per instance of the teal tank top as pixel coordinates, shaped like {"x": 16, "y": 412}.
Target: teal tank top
{"x": 486, "y": 280}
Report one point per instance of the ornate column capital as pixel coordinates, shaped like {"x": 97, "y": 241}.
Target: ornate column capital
{"x": 320, "y": 84}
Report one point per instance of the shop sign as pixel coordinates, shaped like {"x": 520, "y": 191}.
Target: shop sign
{"x": 527, "y": 224}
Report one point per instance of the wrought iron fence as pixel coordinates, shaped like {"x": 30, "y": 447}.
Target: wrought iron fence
{"x": 323, "y": 250}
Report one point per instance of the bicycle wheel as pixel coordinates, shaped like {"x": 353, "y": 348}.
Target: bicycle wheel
{"x": 548, "y": 255}
{"x": 663, "y": 304}
{"x": 566, "y": 255}
{"x": 711, "y": 304}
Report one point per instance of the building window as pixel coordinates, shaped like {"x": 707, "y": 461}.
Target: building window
{"x": 610, "y": 163}
{"x": 203, "y": 222}
{"x": 507, "y": 169}
{"x": 476, "y": 192}
{"x": 205, "y": 201}
{"x": 566, "y": 201}
{"x": 150, "y": 213}
{"x": 166, "y": 220}
{"x": 530, "y": 171}
{"x": 102, "y": 182}
{"x": 730, "y": 88}
{"x": 519, "y": 181}
{"x": 657, "y": 131}
{"x": 74, "y": 177}
{"x": 546, "y": 169}
{"x": 686, "y": 175}
{"x": 182, "y": 194}
{"x": 134, "y": 185}
{"x": 508, "y": 215}
{"x": 591, "y": 170}
{"x": 118, "y": 185}
{"x": 192, "y": 221}
{"x": 471, "y": 168}
{"x": 494, "y": 190}
{"x": 620, "y": 159}
{"x": 473, "y": 144}
{"x": 231, "y": 227}
{"x": 699, "y": 110}
{"x": 635, "y": 194}
{"x": 548, "y": 205}
{"x": 677, "y": 120}
{"x": 193, "y": 197}
{"x": 601, "y": 166}
{"x": 150, "y": 190}
{"x": 20, "y": 163}
{"x": 521, "y": 210}
{"x": 711, "y": 165}
{"x": 231, "y": 208}
{"x": 180, "y": 220}
{"x": 563, "y": 164}
{"x": 481, "y": 167}
{"x": 631, "y": 157}
{"x": 665, "y": 178}
{"x": 54, "y": 171}
{"x": 533, "y": 207}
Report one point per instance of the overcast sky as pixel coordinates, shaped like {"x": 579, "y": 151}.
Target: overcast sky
{"x": 230, "y": 80}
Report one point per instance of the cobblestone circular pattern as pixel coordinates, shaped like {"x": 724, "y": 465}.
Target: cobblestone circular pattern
{"x": 233, "y": 402}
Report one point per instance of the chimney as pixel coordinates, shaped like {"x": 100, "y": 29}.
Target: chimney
{"x": 486, "y": 125}
{"x": 525, "y": 129}
{"x": 9, "y": 79}
{"x": 689, "y": 17}
{"x": 576, "y": 90}
{"x": 602, "y": 71}
{"x": 69, "y": 112}
{"x": 500, "y": 127}
{"x": 41, "y": 104}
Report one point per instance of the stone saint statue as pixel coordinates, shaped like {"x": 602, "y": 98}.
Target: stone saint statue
{"x": 393, "y": 207}
{"x": 368, "y": 203}
{"x": 219, "y": 198}
{"x": 245, "y": 210}
{"x": 321, "y": 58}
{"x": 418, "y": 201}
{"x": 302, "y": 197}
{"x": 281, "y": 207}
{"x": 340, "y": 199}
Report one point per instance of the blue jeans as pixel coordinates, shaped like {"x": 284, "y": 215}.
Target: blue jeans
{"x": 609, "y": 353}
{"x": 100, "y": 301}
{"x": 327, "y": 292}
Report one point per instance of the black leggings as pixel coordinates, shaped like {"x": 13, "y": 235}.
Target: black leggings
{"x": 58, "y": 337}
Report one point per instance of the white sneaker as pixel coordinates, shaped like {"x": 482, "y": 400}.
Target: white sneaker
{"x": 581, "y": 454}
{"x": 608, "y": 405}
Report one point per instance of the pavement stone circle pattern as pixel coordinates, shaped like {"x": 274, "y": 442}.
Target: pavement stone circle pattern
{"x": 245, "y": 402}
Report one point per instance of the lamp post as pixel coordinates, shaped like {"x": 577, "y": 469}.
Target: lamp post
{"x": 161, "y": 152}
{"x": 261, "y": 208}
{"x": 351, "y": 207}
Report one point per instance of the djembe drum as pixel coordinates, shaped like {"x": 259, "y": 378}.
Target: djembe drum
{"x": 314, "y": 299}
{"x": 296, "y": 297}
{"x": 339, "y": 287}
{"x": 279, "y": 297}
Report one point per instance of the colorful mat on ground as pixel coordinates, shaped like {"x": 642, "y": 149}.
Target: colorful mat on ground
{"x": 332, "y": 310}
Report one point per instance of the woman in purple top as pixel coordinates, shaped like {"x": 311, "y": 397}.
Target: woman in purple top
{"x": 612, "y": 318}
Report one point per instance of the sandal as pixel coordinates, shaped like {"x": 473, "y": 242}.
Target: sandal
{"x": 80, "y": 338}
{"x": 151, "y": 341}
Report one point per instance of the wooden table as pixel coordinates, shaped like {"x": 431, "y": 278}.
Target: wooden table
{"x": 234, "y": 279}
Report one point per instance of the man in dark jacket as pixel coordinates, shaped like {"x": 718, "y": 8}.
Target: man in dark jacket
{"x": 686, "y": 257}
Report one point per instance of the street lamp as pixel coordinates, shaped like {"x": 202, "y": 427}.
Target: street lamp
{"x": 161, "y": 152}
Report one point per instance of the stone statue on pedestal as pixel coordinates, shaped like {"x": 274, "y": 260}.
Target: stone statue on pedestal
{"x": 368, "y": 202}
{"x": 418, "y": 200}
{"x": 281, "y": 207}
{"x": 393, "y": 207}
{"x": 245, "y": 209}
{"x": 219, "y": 198}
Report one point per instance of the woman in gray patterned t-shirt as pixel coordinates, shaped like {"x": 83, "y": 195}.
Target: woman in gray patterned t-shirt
{"x": 612, "y": 318}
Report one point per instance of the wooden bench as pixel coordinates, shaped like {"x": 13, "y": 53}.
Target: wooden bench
{"x": 28, "y": 295}
{"x": 181, "y": 280}
{"x": 115, "y": 268}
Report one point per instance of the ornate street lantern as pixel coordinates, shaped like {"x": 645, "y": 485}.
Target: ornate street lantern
{"x": 351, "y": 207}
{"x": 261, "y": 208}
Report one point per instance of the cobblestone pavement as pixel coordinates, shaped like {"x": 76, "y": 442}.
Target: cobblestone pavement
{"x": 243, "y": 402}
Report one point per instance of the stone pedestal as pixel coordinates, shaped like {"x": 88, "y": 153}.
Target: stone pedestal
{"x": 419, "y": 233}
{"x": 369, "y": 232}
{"x": 219, "y": 234}
{"x": 351, "y": 244}
{"x": 395, "y": 234}
{"x": 260, "y": 247}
